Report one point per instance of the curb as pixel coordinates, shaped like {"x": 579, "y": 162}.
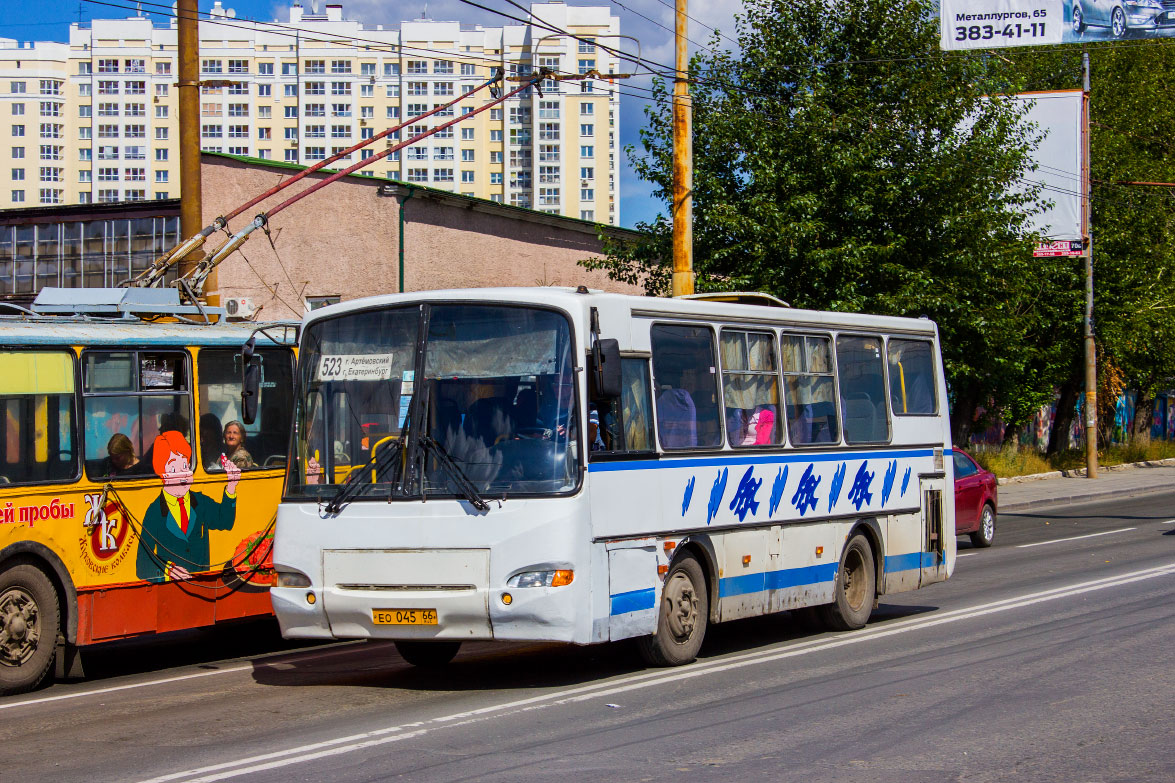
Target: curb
{"x": 1077, "y": 497}
{"x": 1080, "y": 472}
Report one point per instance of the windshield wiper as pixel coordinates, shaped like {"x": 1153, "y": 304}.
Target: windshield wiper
{"x": 468, "y": 491}
{"x": 350, "y": 486}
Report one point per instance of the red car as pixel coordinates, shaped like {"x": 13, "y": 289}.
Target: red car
{"x": 975, "y": 500}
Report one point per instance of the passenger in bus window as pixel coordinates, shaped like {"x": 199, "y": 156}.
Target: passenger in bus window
{"x": 557, "y": 401}
{"x": 121, "y": 460}
{"x": 595, "y": 442}
{"x": 234, "y": 445}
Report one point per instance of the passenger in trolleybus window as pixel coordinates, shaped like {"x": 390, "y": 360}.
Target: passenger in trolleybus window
{"x": 174, "y": 539}
{"x": 234, "y": 445}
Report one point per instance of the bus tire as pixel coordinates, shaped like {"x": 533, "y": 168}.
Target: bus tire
{"x": 682, "y": 618}
{"x": 856, "y": 587}
{"x": 30, "y": 618}
{"x": 427, "y": 655}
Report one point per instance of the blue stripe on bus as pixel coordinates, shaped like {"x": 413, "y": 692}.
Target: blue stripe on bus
{"x": 776, "y": 580}
{"x": 911, "y": 562}
{"x": 633, "y": 601}
{"x": 636, "y": 600}
{"x": 750, "y": 459}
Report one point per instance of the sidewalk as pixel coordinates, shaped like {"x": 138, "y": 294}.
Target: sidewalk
{"x": 1118, "y": 481}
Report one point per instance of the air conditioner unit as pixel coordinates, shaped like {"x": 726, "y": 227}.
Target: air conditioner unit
{"x": 240, "y": 307}
{"x": 293, "y": 142}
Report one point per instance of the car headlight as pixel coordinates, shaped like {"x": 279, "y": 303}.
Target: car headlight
{"x": 554, "y": 578}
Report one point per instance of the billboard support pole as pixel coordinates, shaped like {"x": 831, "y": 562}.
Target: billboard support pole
{"x": 683, "y": 164}
{"x": 1090, "y": 356}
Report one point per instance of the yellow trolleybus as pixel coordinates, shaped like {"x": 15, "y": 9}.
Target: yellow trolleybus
{"x": 137, "y": 494}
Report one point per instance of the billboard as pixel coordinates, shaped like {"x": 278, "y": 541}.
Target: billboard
{"x": 994, "y": 24}
{"x": 1057, "y": 114}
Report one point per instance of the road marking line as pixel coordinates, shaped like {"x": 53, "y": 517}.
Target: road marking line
{"x": 967, "y": 554}
{"x": 293, "y": 658}
{"x": 1076, "y": 538}
{"x": 1168, "y": 522}
{"x": 396, "y": 733}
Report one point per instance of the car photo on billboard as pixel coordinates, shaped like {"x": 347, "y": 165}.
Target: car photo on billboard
{"x": 1121, "y": 19}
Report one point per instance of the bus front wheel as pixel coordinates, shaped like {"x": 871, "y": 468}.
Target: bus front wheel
{"x": 427, "y": 655}
{"x": 856, "y": 587}
{"x": 29, "y": 620}
{"x": 683, "y": 615}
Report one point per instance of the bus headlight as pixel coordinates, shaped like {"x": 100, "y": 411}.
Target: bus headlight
{"x": 554, "y": 578}
{"x": 292, "y": 579}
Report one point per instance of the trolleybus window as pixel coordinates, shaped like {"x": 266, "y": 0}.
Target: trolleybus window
{"x": 911, "y": 377}
{"x": 684, "y": 371}
{"x": 862, "y": 389}
{"x": 39, "y": 441}
{"x": 131, "y": 397}
{"x": 811, "y": 389}
{"x": 750, "y": 388}
{"x": 261, "y": 444}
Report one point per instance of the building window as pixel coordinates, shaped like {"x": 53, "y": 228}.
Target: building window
{"x": 212, "y": 131}
{"x": 496, "y": 156}
{"x": 587, "y": 172}
{"x": 265, "y": 69}
{"x": 548, "y": 197}
{"x": 135, "y": 88}
{"x": 549, "y": 175}
{"x": 418, "y": 88}
{"x": 393, "y": 112}
{"x": 315, "y": 88}
{"x": 161, "y": 154}
{"x": 367, "y": 90}
{"x": 444, "y": 89}
{"x": 391, "y": 69}
{"x": 587, "y": 46}
{"x": 238, "y": 110}
{"x": 264, "y": 112}
{"x": 17, "y": 196}
{"x": 135, "y": 153}
{"x": 418, "y": 175}
{"x": 108, "y": 153}
{"x": 496, "y": 178}
{"x": 239, "y": 66}
{"x": 50, "y": 174}
{"x": 548, "y": 153}
{"x": 136, "y": 110}
{"x": 51, "y": 196}
{"x": 264, "y": 90}
{"x": 83, "y": 111}
{"x": 587, "y": 109}
{"x": 443, "y": 175}
{"x": 211, "y": 66}
{"x": 136, "y": 175}
{"x": 163, "y": 69}
{"x": 340, "y": 131}
{"x": 290, "y": 133}
{"x": 265, "y": 154}
{"x": 291, "y": 112}
{"x": 316, "y": 153}
{"x": 238, "y": 131}
{"x": 85, "y": 89}
{"x": 136, "y": 66}
{"x": 548, "y": 110}
{"x": 468, "y": 69}
{"x": 108, "y": 66}
{"x": 315, "y": 131}
{"x": 290, "y": 69}
{"x": 290, "y": 90}
{"x": 587, "y": 194}
{"x": 587, "y": 129}
{"x": 467, "y": 134}
{"x": 291, "y": 156}
{"x": 467, "y": 176}
{"x": 340, "y": 110}
{"x": 340, "y": 88}
{"x": 161, "y": 112}
{"x": 264, "y": 134}
{"x": 443, "y": 153}
{"x": 161, "y": 134}
{"x": 107, "y": 175}
{"x": 393, "y": 90}
{"x": 367, "y": 69}
{"x": 316, "y": 66}
{"x": 340, "y": 66}
{"x": 467, "y": 156}
{"x": 496, "y": 135}
{"x": 549, "y": 131}
{"x": 417, "y": 66}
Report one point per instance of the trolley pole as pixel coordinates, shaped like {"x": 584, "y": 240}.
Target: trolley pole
{"x": 1090, "y": 357}
{"x": 188, "y": 55}
{"x": 683, "y": 164}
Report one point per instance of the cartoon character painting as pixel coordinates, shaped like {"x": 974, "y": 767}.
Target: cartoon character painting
{"x": 173, "y": 543}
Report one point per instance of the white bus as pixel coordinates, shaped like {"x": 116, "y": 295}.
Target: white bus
{"x": 568, "y": 465}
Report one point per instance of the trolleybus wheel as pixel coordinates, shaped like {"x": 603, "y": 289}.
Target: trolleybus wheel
{"x": 856, "y": 586}
{"x": 29, "y": 619}
{"x": 985, "y": 535}
{"x": 427, "y": 654}
{"x": 682, "y": 619}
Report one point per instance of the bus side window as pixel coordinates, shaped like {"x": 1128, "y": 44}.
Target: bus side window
{"x": 626, "y": 424}
{"x": 862, "y": 389}
{"x": 685, "y": 371}
{"x": 810, "y": 389}
{"x": 750, "y": 388}
{"x": 39, "y": 440}
{"x": 130, "y": 397}
{"x": 911, "y": 377}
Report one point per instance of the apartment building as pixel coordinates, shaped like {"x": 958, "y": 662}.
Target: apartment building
{"x": 95, "y": 120}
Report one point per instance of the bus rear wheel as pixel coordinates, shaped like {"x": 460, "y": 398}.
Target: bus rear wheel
{"x": 427, "y": 655}
{"x": 29, "y": 622}
{"x": 856, "y": 587}
{"x": 682, "y": 618}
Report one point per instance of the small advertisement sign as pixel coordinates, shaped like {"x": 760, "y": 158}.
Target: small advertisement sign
{"x": 1066, "y": 247}
{"x": 355, "y": 367}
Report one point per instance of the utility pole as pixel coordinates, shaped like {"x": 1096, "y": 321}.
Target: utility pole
{"x": 1090, "y": 358}
{"x": 683, "y": 164}
{"x": 188, "y": 56}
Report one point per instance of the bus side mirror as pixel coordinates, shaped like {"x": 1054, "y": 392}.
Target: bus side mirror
{"x": 606, "y": 379}
{"x": 250, "y": 382}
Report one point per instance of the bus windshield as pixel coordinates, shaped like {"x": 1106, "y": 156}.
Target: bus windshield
{"x": 493, "y": 397}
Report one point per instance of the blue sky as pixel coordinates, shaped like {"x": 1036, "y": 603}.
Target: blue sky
{"x": 650, "y": 21}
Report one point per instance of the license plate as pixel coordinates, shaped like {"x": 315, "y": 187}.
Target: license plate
{"x": 404, "y": 616}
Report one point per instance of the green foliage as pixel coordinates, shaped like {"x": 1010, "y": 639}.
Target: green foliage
{"x": 841, "y": 162}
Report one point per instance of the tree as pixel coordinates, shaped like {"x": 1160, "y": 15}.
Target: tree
{"x": 842, "y": 162}
{"x": 1132, "y": 124}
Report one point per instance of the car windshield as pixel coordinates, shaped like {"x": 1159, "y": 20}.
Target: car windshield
{"x": 494, "y": 402}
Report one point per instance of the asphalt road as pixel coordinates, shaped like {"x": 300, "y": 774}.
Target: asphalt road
{"x": 1045, "y": 658}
